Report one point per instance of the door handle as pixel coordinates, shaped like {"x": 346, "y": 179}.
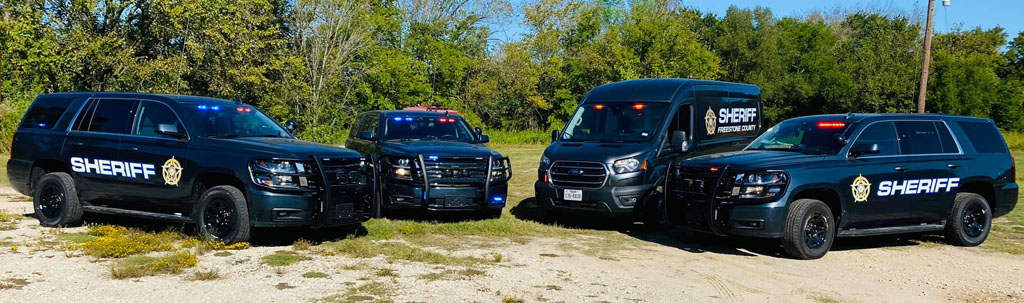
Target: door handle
{"x": 132, "y": 148}
{"x": 901, "y": 168}
{"x": 75, "y": 143}
{"x": 953, "y": 166}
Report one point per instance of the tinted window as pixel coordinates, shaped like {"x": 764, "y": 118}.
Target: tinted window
{"x": 984, "y": 137}
{"x": 112, "y": 116}
{"x": 883, "y": 134}
{"x": 918, "y": 137}
{"x": 223, "y": 119}
{"x": 370, "y": 124}
{"x": 428, "y": 128}
{"x": 85, "y": 116}
{"x": 151, "y": 115}
{"x": 946, "y": 139}
{"x": 354, "y": 133}
{"x": 45, "y": 112}
{"x": 808, "y": 136}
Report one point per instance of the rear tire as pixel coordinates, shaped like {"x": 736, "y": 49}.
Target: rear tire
{"x": 970, "y": 220}
{"x": 223, "y": 215}
{"x": 809, "y": 230}
{"x": 55, "y": 201}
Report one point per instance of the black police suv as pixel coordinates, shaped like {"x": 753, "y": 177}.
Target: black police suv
{"x": 808, "y": 180}
{"x": 429, "y": 159}
{"x": 612, "y": 156}
{"x": 222, "y": 165}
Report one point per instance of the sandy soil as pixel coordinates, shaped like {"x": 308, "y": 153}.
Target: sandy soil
{"x": 668, "y": 267}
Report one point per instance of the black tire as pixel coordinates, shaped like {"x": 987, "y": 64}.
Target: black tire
{"x": 223, "y": 215}
{"x": 55, "y": 201}
{"x": 810, "y": 229}
{"x": 654, "y": 216}
{"x": 970, "y": 220}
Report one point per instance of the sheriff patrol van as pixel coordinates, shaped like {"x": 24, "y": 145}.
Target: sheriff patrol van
{"x": 222, "y": 165}
{"x": 613, "y": 154}
{"x": 809, "y": 180}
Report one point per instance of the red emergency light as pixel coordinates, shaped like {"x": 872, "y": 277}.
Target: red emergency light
{"x": 831, "y": 124}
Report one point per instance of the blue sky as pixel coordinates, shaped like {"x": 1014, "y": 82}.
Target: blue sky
{"x": 966, "y": 13}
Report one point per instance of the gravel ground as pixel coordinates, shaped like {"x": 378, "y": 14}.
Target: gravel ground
{"x": 665, "y": 267}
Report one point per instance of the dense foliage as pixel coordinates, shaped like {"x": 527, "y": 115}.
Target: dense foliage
{"x": 319, "y": 61}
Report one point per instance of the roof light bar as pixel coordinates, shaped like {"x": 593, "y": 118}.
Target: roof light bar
{"x": 831, "y": 124}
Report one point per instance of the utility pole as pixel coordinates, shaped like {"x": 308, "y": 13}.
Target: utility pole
{"x": 927, "y": 54}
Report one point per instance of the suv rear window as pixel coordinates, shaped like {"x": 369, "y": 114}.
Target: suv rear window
{"x": 984, "y": 137}
{"x": 45, "y": 112}
{"x": 107, "y": 115}
{"x": 923, "y": 137}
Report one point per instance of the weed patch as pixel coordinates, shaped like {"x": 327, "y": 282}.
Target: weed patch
{"x": 315, "y": 275}
{"x": 372, "y": 291}
{"x": 120, "y": 242}
{"x": 205, "y": 275}
{"x": 450, "y": 274}
{"x": 283, "y": 258}
{"x": 9, "y": 221}
{"x": 141, "y": 266}
{"x": 13, "y": 283}
{"x": 366, "y": 248}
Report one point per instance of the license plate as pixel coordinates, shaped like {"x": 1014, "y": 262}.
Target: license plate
{"x": 457, "y": 201}
{"x": 573, "y": 195}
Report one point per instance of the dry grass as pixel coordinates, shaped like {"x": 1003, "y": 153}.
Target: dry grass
{"x": 205, "y": 275}
{"x": 391, "y": 250}
{"x": 9, "y": 221}
{"x": 315, "y": 275}
{"x": 141, "y": 266}
{"x": 283, "y": 258}
{"x": 372, "y": 291}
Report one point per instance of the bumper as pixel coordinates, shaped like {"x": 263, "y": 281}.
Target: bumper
{"x": 607, "y": 200}
{"x": 760, "y": 220}
{"x": 406, "y": 195}
{"x": 281, "y": 209}
{"x": 18, "y": 174}
{"x": 1006, "y": 199}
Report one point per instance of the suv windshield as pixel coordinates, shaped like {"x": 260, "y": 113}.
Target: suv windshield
{"x": 812, "y": 137}
{"x": 619, "y": 121}
{"x": 429, "y": 128}
{"x": 233, "y": 120}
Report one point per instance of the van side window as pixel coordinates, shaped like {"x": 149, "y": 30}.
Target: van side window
{"x": 681, "y": 122}
{"x": 918, "y": 137}
{"x": 151, "y": 115}
{"x": 984, "y": 137}
{"x": 881, "y": 133}
{"x": 112, "y": 116}
{"x": 45, "y": 112}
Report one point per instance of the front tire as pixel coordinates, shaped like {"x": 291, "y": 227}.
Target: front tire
{"x": 223, "y": 215}
{"x": 810, "y": 229}
{"x": 655, "y": 217}
{"x": 970, "y": 221}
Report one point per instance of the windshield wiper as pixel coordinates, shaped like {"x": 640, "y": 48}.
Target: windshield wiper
{"x": 226, "y": 136}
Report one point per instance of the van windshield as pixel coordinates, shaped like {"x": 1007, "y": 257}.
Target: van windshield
{"x": 615, "y": 122}
{"x": 812, "y": 137}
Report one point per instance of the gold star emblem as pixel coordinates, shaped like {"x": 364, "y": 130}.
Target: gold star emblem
{"x": 861, "y": 189}
{"x": 172, "y": 171}
{"x": 710, "y": 121}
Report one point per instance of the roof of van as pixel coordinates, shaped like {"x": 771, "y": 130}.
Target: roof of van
{"x": 653, "y": 89}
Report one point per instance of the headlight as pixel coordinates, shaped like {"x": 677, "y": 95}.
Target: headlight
{"x": 759, "y": 185}
{"x": 629, "y": 165}
{"x": 400, "y": 168}
{"x": 545, "y": 162}
{"x": 501, "y": 169}
{"x": 282, "y": 174}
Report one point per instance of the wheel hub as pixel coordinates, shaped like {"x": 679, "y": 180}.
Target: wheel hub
{"x": 50, "y": 201}
{"x": 218, "y": 219}
{"x": 974, "y": 220}
{"x": 816, "y": 231}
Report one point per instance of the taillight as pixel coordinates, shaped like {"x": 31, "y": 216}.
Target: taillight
{"x": 1013, "y": 167}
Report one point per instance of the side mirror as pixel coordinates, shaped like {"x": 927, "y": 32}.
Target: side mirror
{"x": 479, "y": 131}
{"x": 485, "y": 139}
{"x": 366, "y": 136}
{"x": 867, "y": 149}
{"x": 291, "y": 125}
{"x": 554, "y": 135}
{"x": 841, "y": 140}
{"x": 680, "y": 139}
{"x": 170, "y": 130}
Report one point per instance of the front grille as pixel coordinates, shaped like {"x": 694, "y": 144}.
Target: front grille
{"x": 578, "y": 174}
{"x": 344, "y": 172}
{"x": 456, "y": 169}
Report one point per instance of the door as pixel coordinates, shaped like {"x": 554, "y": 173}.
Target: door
{"x": 872, "y": 202}
{"x": 165, "y": 191}
{"x": 930, "y": 183}
{"x": 92, "y": 148}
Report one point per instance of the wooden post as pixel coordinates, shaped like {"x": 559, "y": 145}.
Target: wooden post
{"x": 923, "y": 90}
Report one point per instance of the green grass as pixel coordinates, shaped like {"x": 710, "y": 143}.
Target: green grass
{"x": 3, "y": 170}
{"x": 315, "y": 275}
{"x": 282, "y": 258}
{"x": 1008, "y": 231}
{"x": 141, "y": 266}
{"x": 519, "y": 137}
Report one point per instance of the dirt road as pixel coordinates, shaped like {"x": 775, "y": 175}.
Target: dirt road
{"x": 657, "y": 267}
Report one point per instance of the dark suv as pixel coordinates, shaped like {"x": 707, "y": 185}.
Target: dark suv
{"x": 808, "y": 180}
{"x": 222, "y": 165}
{"x": 429, "y": 159}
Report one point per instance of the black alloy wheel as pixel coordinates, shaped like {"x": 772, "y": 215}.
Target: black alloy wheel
{"x": 219, "y": 218}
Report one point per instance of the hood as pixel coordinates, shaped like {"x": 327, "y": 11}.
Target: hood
{"x": 757, "y": 160}
{"x": 287, "y": 147}
{"x": 603, "y": 152}
{"x": 441, "y": 148}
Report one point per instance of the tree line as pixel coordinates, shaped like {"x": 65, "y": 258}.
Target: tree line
{"x": 320, "y": 61}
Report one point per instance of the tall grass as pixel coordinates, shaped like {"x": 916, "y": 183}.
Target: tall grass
{"x": 519, "y": 137}
{"x": 1015, "y": 140}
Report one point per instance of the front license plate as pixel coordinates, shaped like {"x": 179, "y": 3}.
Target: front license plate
{"x": 573, "y": 195}
{"x": 457, "y": 201}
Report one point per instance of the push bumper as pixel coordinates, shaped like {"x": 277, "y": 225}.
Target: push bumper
{"x": 405, "y": 195}
{"x": 307, "y": 209}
